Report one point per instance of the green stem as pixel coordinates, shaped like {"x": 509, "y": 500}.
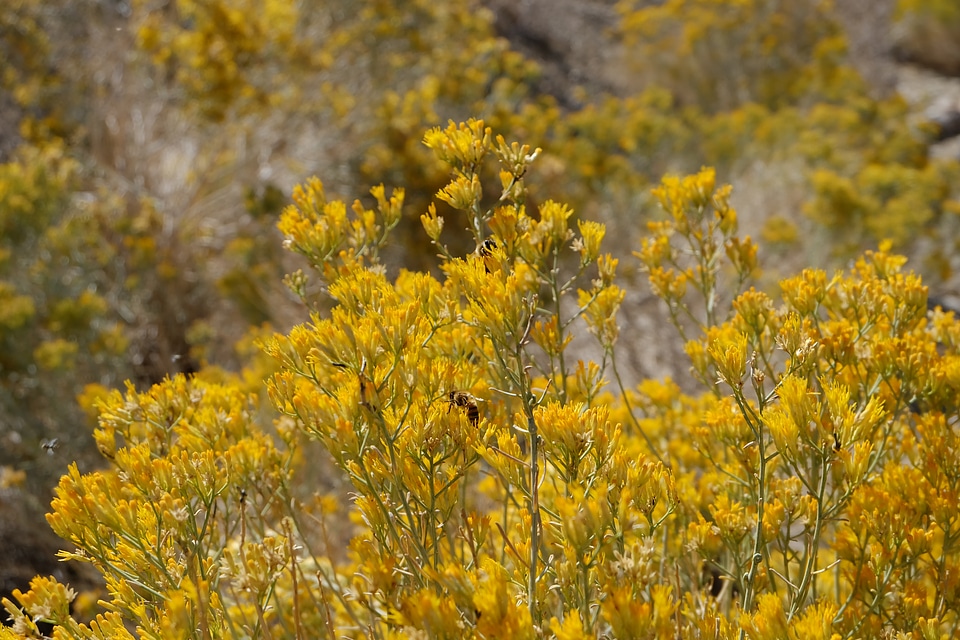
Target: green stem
{"x": 557, "y": 292}
{"x": 758, "y": 541}
{"x": 535, "y": 523}
{"x": 811, "y": 559}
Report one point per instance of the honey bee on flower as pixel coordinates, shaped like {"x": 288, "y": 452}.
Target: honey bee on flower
{"x": 487, "y": 251}
{"x": 369, "y": 397}
{"x": 486, "y": 247}
{"x": 464, "y": 400}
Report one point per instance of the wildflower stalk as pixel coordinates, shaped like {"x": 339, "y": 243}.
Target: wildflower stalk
{"x": 558, "y": 292}
{"x": 529, "y": 402}
{"x": 757, "y": 557}
{"x": 759, "y": 542}
{"x": 288, "y": 531}
{"x": 322, "y": 600}
{"x": 535, "y": 521}
{"x": 813, "y": 547}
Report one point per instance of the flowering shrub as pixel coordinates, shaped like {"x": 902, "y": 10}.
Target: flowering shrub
{"x": 94, "y": 287}
{"x": 926, "y": 32}
{"x": 503, "y": 489}
{"x": 54, "y": 319}
{"x": 720, "y": 55}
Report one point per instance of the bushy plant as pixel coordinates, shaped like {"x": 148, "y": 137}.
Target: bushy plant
{"x": 719, "y": 55}
{"x": 737, "y": 84}
{"x": 928, "y": 32}
{"x": 54, "y": 323}
{"x": 90, "y": 295}
{"x": 766, "y": 87}
{"x": 501, "y": 489}
{"x": 94, "y": 286}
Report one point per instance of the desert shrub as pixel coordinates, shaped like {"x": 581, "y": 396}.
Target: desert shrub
{"x": 766, "y": 88}
{"x": 106, "y": 279}
{"x": 49, "y": 314}
{"x": 92, "y": 294}
{"x": 27, "y": 83}
{"x": 720, "y": 55}
{"x": 733, "y": 85}
{"x": 928, "y": 32}
{"x": 501, "y": 489}
{"x": 227, "y": 58}
{"x": 883, "y": 201}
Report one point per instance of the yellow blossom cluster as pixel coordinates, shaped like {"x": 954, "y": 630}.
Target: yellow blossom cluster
{"x": 500, "y": 487}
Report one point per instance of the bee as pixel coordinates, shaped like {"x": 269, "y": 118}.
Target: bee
{"x": 486, "y": 253}
{"x": 368, "y": 395}
{"x": 464, "y": 400}
{"x": 50, "y": 446}
{"x": 486, "y": 247}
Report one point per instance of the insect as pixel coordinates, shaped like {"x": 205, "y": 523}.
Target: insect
{"x": 486, "y": 247}
{"x": 369, "y": 396}
{"x": 50, "y": 446}
{"x": 486, "y": 253}
{"x": 464, "y": 400}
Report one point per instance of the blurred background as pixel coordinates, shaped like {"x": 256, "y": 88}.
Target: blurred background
{"x": 147, "y": 148}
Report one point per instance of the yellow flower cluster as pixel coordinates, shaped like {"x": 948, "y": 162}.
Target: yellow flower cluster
{"x": 223, "y": 53}
{"x": 500, "y": 489}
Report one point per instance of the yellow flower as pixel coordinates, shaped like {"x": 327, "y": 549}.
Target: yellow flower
{"x": 601, "y": 313}
{"x": 769, "y": 622}
{"x": 570, "y": 629}
{"x": 46, "y": 601}
{"x": 805, "y": 292}
{"x": 754, "y": 310}
{"x": 731, "y": 519}
{"x": 729, "y": 355}
{"x": 515, "y": 157}
{"x": 816, "y": 622}
{"x": 432, "y": 223}
{"x": 591, "y": 234}
{"x": 463, "y": 193}
{"x": 499, "y": 614}
{"x": 462, "y": 146}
